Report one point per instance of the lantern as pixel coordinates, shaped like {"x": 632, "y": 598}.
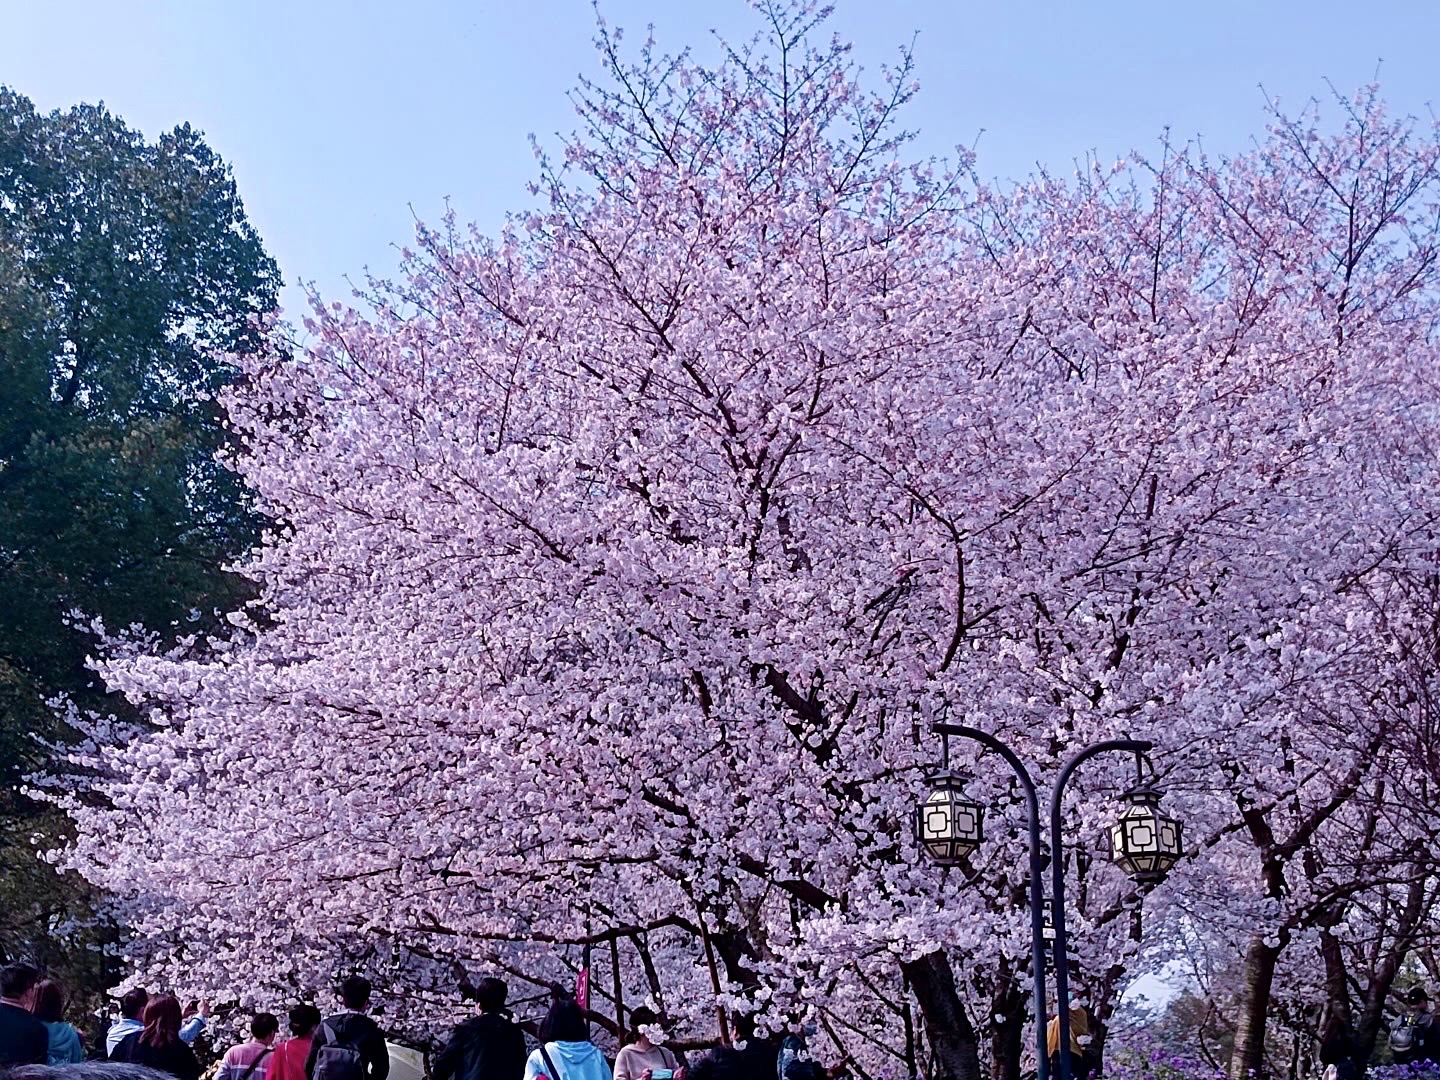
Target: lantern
{"x": 1144, "y": 841}
{"x": 947, "y": 824}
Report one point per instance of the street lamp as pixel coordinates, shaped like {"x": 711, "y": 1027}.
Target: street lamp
{"x": 949, "y": 827}
{"x": 1145, "y": 843}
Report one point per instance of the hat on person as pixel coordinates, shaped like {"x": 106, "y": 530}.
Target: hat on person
{"x": 1417, "y": 995}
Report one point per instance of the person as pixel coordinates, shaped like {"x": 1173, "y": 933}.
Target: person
{"x": 1415, "y": 1037}
{"x": 96, "y": 1069}
{"x": 1337, "y": 1053}
{"x": 288, "y": 1062}
{"x": 1080, "y": 1065}
{"x": 725, "y": 1063}
{"x": 566, "y": 1052}
{"x": 132, "y": 1005}
{"x": 349, "y": 1045}
{"x": 251, "y": 1060}
{"x": 48, "y": 1005}
{"x": 485, "y": 1047}
{"x": 23, "y": 1038}
{"x": 197, "y": 1013}
{"x": 640, "y": 1057}
{"x": 158, "y": 1045}
{"x": 794, "y": 1061}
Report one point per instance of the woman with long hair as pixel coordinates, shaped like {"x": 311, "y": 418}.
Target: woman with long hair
{"x": 641, "y": 1058}
{"x": 158, "y": 1044}
{"x": 566, "y": 1052}
{"x": 48, "y": 1005}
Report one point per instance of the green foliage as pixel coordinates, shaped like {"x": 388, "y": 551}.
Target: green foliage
{"x": 127, "y": 271}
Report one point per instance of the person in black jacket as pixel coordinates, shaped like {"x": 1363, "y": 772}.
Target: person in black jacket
{"x": 23, "y": 1039}
{"x": 158, "y": 1044}
{"x": 485, "y": 1047}
{"x": 348, "y": 1031}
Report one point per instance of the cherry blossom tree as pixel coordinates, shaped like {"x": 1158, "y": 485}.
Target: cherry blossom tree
{"x": 619, "y": 559}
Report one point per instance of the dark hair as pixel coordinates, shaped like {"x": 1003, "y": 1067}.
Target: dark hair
{"x": 84, "y": 1070}
{"x": 638, "y": 1019}
{"x": 132, "y": 1004}
{"x": 48, "y": 1003}
{"x": 264, "y": 1025}
{"x": 17, "y": 979}
{"x": 491, "y": 992}
{"x": 355, "y": 992}
{"x": 565, "y": 1022}
{"x": 722, "y": 1063}
{"x": 304, "y": 1018}
{"x": 162, "y": 1021}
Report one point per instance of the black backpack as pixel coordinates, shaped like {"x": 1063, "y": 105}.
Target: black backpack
{"x": 336, "y": 1060}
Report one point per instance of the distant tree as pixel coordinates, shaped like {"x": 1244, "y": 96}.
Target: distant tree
{"x": 128, "y": 271}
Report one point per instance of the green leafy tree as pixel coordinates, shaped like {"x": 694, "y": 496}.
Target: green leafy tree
{"x": 128, "y": 272}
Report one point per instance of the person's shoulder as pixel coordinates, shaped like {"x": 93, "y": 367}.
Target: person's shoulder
{"x": 128, "y": 1043}
{"x": 22, "y": 1017}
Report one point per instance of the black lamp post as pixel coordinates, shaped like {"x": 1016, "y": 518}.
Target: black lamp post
{"x": 1144, "y": 842}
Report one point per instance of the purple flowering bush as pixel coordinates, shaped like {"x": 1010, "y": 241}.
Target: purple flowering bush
{"x": 1420, "y": 1070}
{"x": 1162, "y": 1064}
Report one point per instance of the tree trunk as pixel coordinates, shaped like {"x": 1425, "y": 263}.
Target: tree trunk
{"x": 1104, "y": 999}
{"x": 1007, "y": 1039}
{"x": 951, "y": 1035}
{"x": 1248, "y": 1058}
{"x": 1419, "y": 902}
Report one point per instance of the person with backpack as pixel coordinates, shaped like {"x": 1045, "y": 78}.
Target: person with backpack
{"x": 566, "y": 1052}
{"x": 642, "y": 1059}
{"x": 349, "y": 1045}
{"x": 1414, "y": 1037}
{"x": 290, "y": 1056}
{"x": 485, "y": 1047}
{"x": 252, "y": 1060}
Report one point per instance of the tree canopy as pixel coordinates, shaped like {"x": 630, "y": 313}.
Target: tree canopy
{"x": 128, "y": 275}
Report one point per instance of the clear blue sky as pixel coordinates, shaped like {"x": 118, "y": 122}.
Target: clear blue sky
{"x": 338, "y": 117}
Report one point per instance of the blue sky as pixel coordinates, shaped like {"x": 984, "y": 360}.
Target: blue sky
{"x": 339, "y": 117}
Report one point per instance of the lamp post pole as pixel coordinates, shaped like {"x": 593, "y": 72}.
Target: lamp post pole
{"x": 1037, "y": 878}
{"x": 1057, "y": 887}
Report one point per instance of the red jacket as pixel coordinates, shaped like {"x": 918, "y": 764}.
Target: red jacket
{"x": 289, "y": 1063}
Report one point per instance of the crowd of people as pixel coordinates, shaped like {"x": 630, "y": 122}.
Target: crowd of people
{"x": 155, "y": 1032}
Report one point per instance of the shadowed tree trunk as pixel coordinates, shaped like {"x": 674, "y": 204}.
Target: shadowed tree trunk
{"x": 952, "y": 1036}
{"x": 1248, "y": 1059}
{"x": 1008, "y": 1004}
